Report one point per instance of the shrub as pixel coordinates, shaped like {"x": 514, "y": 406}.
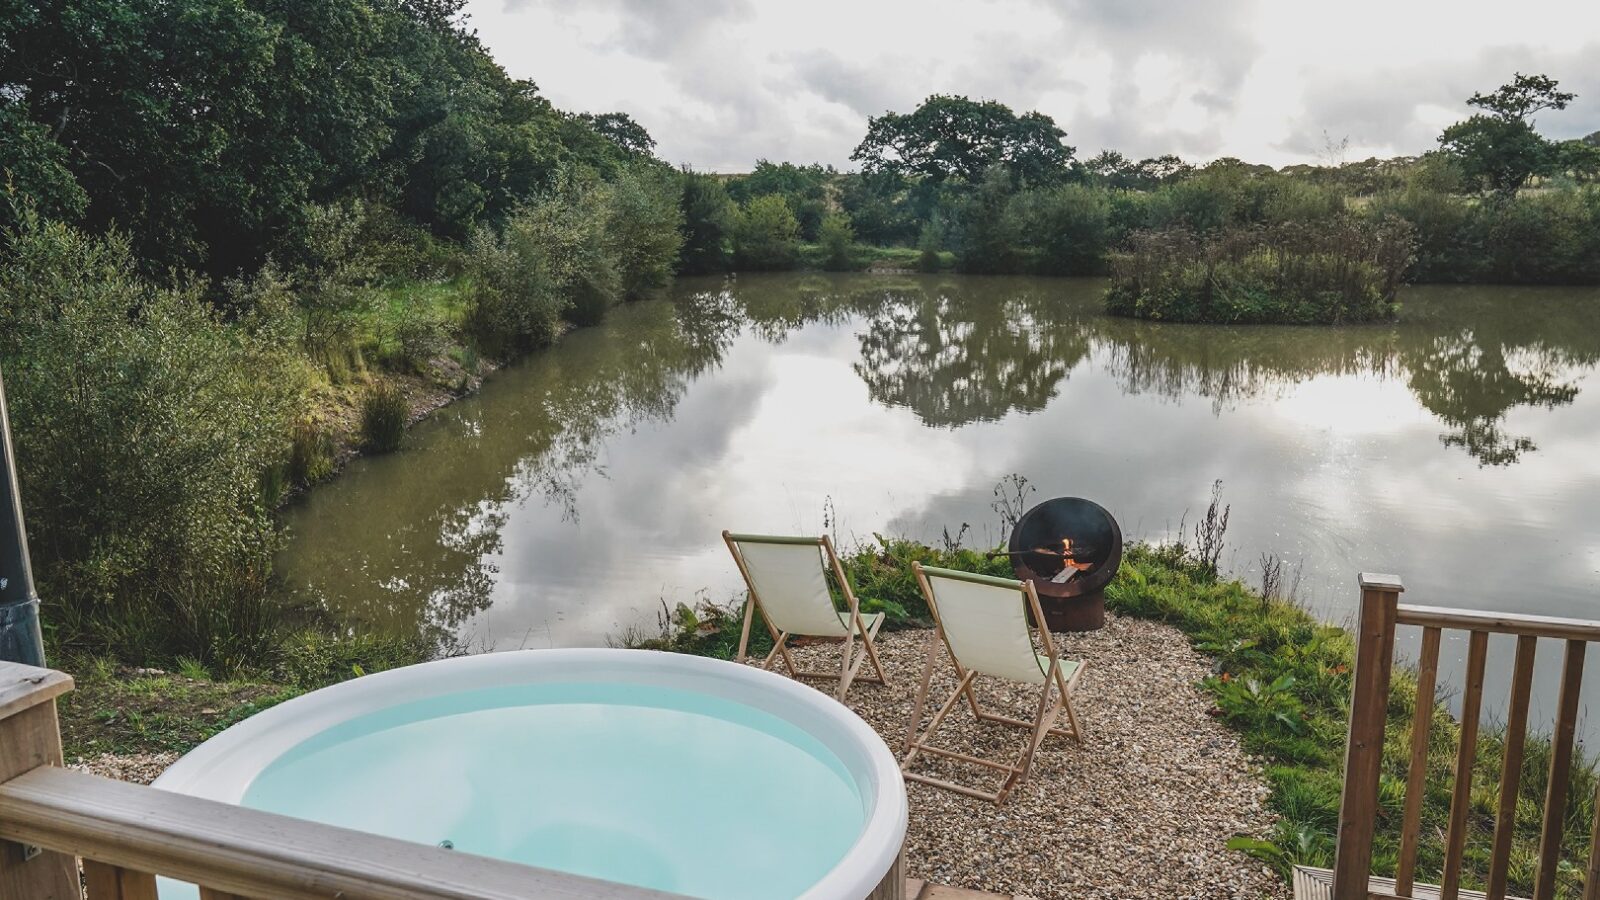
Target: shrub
{"x": 552, "y": 259}
{"x": 1340, "y": 271}
{"x": 143, "y": 426}
{"x": 384, "y": 411}
{"x": 311, "y": 450}
{"x": 642, "y": 226}
{"x": 765, "y": 235}
{"x": 985, "y": 230}
{"x": 708, "y": 216}
{"x": 1069, "y": 227}
{"x": 837, "y": 239}
{"x": 422, "y": 334}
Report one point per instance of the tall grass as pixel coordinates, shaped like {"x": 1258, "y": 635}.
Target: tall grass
{"x": 1335, "y": 271}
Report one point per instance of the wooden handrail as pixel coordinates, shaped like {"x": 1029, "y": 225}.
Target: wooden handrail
{"x": 259, "y": 854}
{"x": 127, "y": 833}
{"x": 1498, "y": 623}
{"x": 1381, "y": 613}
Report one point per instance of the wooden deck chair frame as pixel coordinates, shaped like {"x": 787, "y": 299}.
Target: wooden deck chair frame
{"x": 1045, "y": 712}
{"x": 852, "y": 661}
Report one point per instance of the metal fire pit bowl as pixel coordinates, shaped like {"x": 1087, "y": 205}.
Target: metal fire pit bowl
{"x": 1039, "y": 554}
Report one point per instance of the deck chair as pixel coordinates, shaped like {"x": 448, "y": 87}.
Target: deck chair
{"x": 789, "y": 585}
{"x": 983, "y": 622}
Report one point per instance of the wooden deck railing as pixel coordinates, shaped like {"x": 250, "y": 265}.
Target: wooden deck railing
{"x": 127, "y": 834}
{"x": 1381, "y": 614}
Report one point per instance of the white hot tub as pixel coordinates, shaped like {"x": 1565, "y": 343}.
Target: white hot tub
{"x": 667, "y": 771}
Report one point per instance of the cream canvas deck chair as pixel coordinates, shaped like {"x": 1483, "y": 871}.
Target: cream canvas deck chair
{"x": 983, "y": 622}
{"x": 789, "y": 585}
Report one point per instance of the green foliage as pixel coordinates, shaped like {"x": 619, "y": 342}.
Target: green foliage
{"x": 643, "y": 226}
{"x": 837, "y": 238}
{"x": 311, "y": 453}
{"x": 765, "y": 234}
{"x": 929, "y": 243}
{"x": 955, "y": 137}
{"x": 881, "y": 206}
{"x": 34, "y": 171}
{"x": 384, "y": 411}
{"x": 1067, "y": 228}
{"x": 708, "y": 218}
{"x": 1545, "y": 237}
{"x": 1342, "y": 270}
{"x": 804, "y": 188}
{"x": 620, "y": 129}
{"x": 1497, "y": 153}
{"x": 552, "y": 258}
{"x": 143, "y": 426}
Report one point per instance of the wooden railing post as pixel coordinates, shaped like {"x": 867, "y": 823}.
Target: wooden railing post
{"x": 1369, "y": 713}
{"x": 30, "y": 737}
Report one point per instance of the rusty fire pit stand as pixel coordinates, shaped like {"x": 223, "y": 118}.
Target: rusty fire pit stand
{"x": 1070, "y": 548}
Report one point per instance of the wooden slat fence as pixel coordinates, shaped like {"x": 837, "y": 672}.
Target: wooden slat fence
{"x": 1381, "y": 615}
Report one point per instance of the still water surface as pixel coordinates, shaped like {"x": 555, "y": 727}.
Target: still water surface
{"x": 1459, "y": 448}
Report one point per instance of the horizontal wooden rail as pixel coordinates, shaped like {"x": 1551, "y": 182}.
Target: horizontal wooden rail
{"x": 1498, "y": 623}
{"x": 249, "y": 853}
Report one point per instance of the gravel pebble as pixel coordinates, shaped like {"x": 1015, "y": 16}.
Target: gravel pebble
{"x": 1142, "y": 809}
{"x": 139, "y": 768}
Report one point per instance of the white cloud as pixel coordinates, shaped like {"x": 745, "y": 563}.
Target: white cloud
{"x": 725, "y": 82}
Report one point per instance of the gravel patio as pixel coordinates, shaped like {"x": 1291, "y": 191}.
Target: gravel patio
{"x": 1142, "y": 810}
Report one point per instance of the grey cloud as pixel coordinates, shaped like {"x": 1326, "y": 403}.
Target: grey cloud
{"x": 1380, "y": 107}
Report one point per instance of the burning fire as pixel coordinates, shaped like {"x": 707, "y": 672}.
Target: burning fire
{"x": 1066, "y": 556}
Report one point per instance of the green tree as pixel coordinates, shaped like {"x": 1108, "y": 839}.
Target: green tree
{"x": 619, "y": 128}
{"x": 838, "y": 239}
{"x": 956, "y": 137}
{"x": 765, "y": 234}
{"x": 1523, "y": 97}
{"x": 708, "y": 216}
{"x": 804, "y": 188}
{"x": 1500, "y": 150}
{"x": 643, "y": 228}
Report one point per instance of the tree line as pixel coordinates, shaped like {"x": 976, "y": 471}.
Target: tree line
{"x": 235, "y": 233}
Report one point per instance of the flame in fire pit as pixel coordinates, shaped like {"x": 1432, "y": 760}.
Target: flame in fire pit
{"x": 1067, "y": 557}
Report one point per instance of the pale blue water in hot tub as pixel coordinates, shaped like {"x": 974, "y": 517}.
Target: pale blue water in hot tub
{"x": 657, "y": 787}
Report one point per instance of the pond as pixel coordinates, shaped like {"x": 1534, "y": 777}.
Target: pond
{"x": 585, "y": 488}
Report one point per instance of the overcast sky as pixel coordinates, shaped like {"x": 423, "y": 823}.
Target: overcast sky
{"x": 722, "y": 83}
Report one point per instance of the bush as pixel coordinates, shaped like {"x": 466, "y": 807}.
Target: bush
{"x": 985, "y": 231}
{"x": 837, "y": 239}
{"x": 1333, "y": 272}
{"x": 643, "y": 222}
{"x": 384, "y": 411}
{"x": 551, "y": 260}
{"x": 1068, "y": 226}
{"x": 708, "y": 216}
{"x": 143, "y": 425}
{"x": 311, "y": 450}
{"x": 765, "y": 235}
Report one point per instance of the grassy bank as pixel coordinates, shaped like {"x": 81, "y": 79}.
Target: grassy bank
{"x": 1282, "y": 680}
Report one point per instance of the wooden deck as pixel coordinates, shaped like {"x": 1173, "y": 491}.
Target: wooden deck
{"x": 917, "y": 889}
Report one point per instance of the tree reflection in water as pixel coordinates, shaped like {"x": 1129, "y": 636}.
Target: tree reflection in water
{"x": 410, "y": 543}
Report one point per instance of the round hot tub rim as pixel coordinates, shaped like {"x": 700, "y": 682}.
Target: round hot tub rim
{"x": 224, "y": 767}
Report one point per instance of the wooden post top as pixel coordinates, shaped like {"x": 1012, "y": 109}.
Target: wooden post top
{"x": 24, "y": 687}
{"x": 1377, "y": 581}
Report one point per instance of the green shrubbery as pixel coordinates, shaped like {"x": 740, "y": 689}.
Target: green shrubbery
{"x": 384, "y": 411}
{"x": 143, "y": 425}
{"x": 766, "y": 234}
{"x": 1341, "y": 270}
